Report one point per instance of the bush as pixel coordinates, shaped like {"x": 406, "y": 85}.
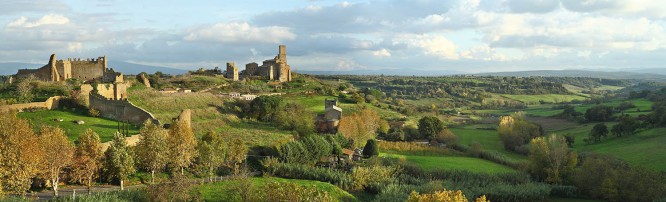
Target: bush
{"x": 371, "y": 149}
{"x": 93, "y": 112}
{"x": 299, "y": 171}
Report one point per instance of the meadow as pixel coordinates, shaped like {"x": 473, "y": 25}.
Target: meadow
{"x": 433, "y": 162}
{"x": 224, "y": 190}
{"x": 105, "y": 128}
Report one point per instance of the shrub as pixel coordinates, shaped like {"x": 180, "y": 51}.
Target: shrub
{"x": 371, "y": 148}
{"x": 93, "y": 112}
{"x": 412, "y": 148}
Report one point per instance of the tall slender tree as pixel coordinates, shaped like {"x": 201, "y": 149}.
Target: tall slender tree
{"x": 182, "y": 145}
{"x": 119, "y": 159}
{"x": 58, "y": 154}
{"x": 212, "y": 152}
{"x": 237, "y": 154}
{"x": 87, "y": 158}
{"x": 151, "y": 150}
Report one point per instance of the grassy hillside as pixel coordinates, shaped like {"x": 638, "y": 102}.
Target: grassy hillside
{"x": 223, "y": 191}
{"x": 105, "y": 128}
{"x": 489, "y": 139}
{"x": 549, "y": 98}
{"x": 645, "y": 149}
{"x": 452, "y": 163}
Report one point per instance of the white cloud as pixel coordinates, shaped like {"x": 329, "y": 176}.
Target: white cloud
{"x": 381, "y": 53}
{"x": 483, "y": 52}
{"x": 431, "y": 44}
{"x": 240, "y": 32}
{"x": 51, "y": 19}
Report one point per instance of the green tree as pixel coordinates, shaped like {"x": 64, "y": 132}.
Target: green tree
{"x": 265, "y": 108}
{"x": 119, "y": 159}
{"x": 24, "y": 90}
{"x": 599, "y": 113}
{"x": 237, "y": 155}
{"x": 87, "y": 158}
{"x": 429, "y": 126}
{"x": 212, "y": 152}
{"x": 600, "y": 130}
{"x": 58, "y": 153}
{"x": 152, "y": 149}
{"x": 182, "y": 145}
{"x": 550, "y": 159}
{"x": 514, "y": 131}
{"x": 371, "y": 148}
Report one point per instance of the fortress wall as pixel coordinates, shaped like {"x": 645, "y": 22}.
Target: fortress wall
{"x": 42, "y": 74}
{"x": 121, "y": 110}
{"x": 50, "y": 103}
{"x": 87, "y": 70}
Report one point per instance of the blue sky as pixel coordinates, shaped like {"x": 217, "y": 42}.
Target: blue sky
{"x": 456, "y": 35}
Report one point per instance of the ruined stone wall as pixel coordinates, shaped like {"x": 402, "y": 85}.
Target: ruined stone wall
{"x": 251, "y": 69}
{"x": 284, "y": 73}
{"x": 49, "y": 104}
{"x": 111, "y": 76}
{"x": 116, "y": 91}
{"x": 121, "y": 110}
{"x": 232, "y": 71}
{"x": 42, "y": 74}
{"x": 87, "y": 69}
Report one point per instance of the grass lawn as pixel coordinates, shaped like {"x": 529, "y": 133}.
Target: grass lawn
{"x": 223, "y": 191}
{"x": 105, "y": 128}
{"x": 453, "y": 163}
{"x": 646, "y": 149}
{"x": 489, "y": 139}
{"x": 256, "y": 133}
{"x": 313, "y": 103}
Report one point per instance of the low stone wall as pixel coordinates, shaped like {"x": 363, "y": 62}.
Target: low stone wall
{"x": 49, "y": 104}
{"x": 121, "y": 110}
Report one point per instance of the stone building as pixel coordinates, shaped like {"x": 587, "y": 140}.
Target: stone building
{"x": 232, "y": 71}
{"x": 61, "y": 70}
{"x": 330, "y": 120}
{"x": 274, "y": 69}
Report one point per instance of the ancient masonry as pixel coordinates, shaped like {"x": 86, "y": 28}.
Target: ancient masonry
{"x": 274, "y": 69}
{"x": 329, "y": 122}
{"x": 61, "y": 70}
{"x": 232, "y": 71}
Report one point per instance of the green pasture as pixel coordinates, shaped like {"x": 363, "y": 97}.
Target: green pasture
{"x": 105, "y": 128}
{"x": 452, "y": 163}
{"x": 224, "y": 190}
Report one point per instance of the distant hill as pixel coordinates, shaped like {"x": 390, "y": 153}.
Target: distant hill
{"x": 132, "y": 68}
{"x": 661, "y": 71}
{"x": 388, "y": 72}
{"x": 11, "y": 68}
{"x": 124, "y": 67}
{"x": 580, "y": 73}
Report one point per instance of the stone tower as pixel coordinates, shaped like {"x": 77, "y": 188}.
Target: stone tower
{"x": 282, "y": 54}
{"x": 232, "y": 71}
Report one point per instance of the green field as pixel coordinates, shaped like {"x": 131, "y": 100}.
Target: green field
{"x": 223, "y": 191}
{"x": 643, "y": 106}
{"x": 550, "y": 98}
{"x": 105, "y": 128}
{"x": 489, "y": 139}
{"x": 453, "y": 163}
{"x": 255, "y": 133}
{"x": 645, "y": 149}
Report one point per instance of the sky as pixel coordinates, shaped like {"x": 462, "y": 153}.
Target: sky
{"x": 443, "y": 35}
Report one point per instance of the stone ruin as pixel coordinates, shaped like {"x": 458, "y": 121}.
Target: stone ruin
{"x": 61, "y": 70}
{"x": 232, "y": 71}
{"x": 330, "y": 120}
{"x": 275, "y": 69}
